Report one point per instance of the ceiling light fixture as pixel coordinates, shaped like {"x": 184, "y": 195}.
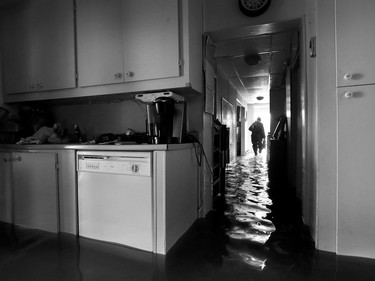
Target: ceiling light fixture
{"x": 260, "y": 97}
{"x": 252, "y": 60}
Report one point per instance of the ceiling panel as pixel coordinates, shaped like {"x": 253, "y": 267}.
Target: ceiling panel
{"x": 227, "y": 66}
{"x": 252, "y": 45}
{"x": 237, "y": 83}
{"x": 256, "y": 82}
{"x": 244, "y": 70}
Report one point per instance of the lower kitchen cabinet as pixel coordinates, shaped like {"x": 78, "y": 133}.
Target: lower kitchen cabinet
{"x": 6, "y": 213}
{"x": 37, "y": 190}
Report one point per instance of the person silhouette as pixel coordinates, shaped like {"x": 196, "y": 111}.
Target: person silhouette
{"x": 257, "y": 135}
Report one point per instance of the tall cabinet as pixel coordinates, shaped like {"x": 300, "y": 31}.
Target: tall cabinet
{"x": 356, "y": 128}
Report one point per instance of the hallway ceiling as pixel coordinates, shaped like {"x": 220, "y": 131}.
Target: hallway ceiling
{"x": 276, "y": 44}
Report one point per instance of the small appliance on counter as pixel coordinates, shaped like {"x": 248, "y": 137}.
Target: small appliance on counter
{"x": 165, "y": 116}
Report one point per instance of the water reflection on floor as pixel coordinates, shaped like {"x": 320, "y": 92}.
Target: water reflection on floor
{"x": 256, "y": 234}
{"x": 247, "y": 207}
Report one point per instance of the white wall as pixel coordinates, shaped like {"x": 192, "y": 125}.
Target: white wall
{"x": 326, "y": 130}
{"x": 222, "y": 14}
{"x": 309, "y": 196}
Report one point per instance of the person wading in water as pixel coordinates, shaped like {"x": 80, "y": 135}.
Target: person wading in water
{"x": 257, "y": 136}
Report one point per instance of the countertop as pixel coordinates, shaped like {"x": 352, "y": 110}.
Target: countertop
{"x": 126, "y": 147}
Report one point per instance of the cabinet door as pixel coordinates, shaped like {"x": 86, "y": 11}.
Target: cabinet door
{"x": 151, "y": 39}
{"x": 16, "y": 51}
{"x": 5, "y": 187}
{"x": 355, "y": 42}
{"x": 99, "y": 42}
{"x": 53, "y": 44}
{"x": 356, "y": 177}
{"x": 38, "y": 46}
{"x": 35, "y": 191}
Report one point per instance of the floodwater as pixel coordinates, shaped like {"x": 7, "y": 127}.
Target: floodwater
{"x": 248, "y": 208}
{"x": 255, "y": 235}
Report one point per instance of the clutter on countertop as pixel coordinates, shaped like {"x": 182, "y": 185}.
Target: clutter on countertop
{"x": 44, "y": 135}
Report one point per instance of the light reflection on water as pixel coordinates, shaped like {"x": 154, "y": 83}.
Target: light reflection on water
{"x": 248, "y": 205}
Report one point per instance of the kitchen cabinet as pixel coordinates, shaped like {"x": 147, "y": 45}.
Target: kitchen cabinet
{"x": 126, "y": 40}
{"x": 29, "y": 184}
{"x": 38, "y": 46}
{"x": 151, "y": 39}
{"x": 175, "y": 197}
{"x": 99, "y": 42}
{"x": 356, "y": 177}
{"x": 6, "y": 213}
{"x": 356, "y": 130}
{"x": 123, "y": 47}
{"x": 38, "y": 189}
{"x": 354, "y": 42}
{"x": 35, "y": 190}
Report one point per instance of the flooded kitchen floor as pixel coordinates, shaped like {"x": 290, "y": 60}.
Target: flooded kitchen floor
{"x": 255, "y": 234}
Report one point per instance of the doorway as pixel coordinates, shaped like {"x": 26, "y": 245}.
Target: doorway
{"x": 272, "y": 47}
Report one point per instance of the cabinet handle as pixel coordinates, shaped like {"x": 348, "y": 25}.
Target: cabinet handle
{"x": 129, "y": 74}
{"x": 32, "y": 85}
{"x": 40, "y": 85}
{"x": 348, "y": 76}
{"x": 348, "y": 95}
{"x": 118, "y": 75}
{"x": 13, "y": 159}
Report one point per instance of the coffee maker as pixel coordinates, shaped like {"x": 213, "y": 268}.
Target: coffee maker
{"x": 165, "y": 116}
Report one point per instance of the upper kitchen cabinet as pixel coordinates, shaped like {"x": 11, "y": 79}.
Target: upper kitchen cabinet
{"x": 99, "y": 42}
{"x": 151, "y": 39}
{"x": 125, "y": 47}
{"x": 355, "y": 41}
{"x": 123, "y": 41}
{"x": 38, "y": 46}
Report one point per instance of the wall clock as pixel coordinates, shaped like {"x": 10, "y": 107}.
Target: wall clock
{"x": 253, "y": 8}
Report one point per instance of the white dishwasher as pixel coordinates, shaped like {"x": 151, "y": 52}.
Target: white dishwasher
{"x": 115, "y": 197}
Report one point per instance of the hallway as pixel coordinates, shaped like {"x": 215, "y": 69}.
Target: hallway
{"x": 257, "y": 234}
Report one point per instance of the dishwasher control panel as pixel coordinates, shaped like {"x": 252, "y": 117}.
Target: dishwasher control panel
{"x": 124, "y": 163}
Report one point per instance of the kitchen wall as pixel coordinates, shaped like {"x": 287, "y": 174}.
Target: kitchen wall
{"x": 105, "y": 117}
{"x": 310, "y": 194}
{"x": 115, "y": 116}
{"x": 326, "y": 123}
{"x": 222, "y": 14}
